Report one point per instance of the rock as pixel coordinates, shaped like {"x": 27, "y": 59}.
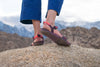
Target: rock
{"x": 51, "y": 55}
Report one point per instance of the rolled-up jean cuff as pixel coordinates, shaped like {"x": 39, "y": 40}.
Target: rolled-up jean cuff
{"x": 31, "y": 10}
{"x": 58, "y": 12}
{"x": 28, "y": 21}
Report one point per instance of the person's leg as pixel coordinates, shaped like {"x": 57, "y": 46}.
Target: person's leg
{"x": 31, "y": 14}
{"x": 36, "y": 25}
{"x": 54, "y": 7}
{"x": 49, "y": 29}
{"x": 51, "y": 19}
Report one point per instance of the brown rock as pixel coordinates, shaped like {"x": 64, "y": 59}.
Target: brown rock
{"x": 51, "y": 55}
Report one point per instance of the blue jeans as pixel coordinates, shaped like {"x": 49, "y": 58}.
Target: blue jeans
{"x": 31, "y": 9}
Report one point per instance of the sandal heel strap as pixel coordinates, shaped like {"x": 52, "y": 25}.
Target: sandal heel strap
{"x": 38, "y": 35}
{"x": 46, "y": 23}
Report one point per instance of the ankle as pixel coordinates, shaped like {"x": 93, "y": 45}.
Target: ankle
{"x": 51, "y": 22}
{"x": 37, "y": 33}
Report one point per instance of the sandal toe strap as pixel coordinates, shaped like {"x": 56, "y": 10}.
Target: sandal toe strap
{"x": 55, "y": 27}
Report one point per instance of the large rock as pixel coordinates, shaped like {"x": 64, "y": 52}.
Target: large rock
{"x": 51, "y": 55}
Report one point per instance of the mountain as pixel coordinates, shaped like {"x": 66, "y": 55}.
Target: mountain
{"x": 18, "y": 29}
{"x": 88, "y": 38}
{"x": 22, "y": 30}
{"x": 11, "y": 41}
{"x": 51, "y": 55}
{"x": 84, "y": 24}
{"x": 12, "y": 25}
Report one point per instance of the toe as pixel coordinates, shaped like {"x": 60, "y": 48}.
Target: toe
{"x": 58, "y": 33}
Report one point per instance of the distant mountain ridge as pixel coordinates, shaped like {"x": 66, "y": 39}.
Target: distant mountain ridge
{"x": 27, "y": 30}
{"x": 84, "y": 24}
{"x": 20, "y": 30}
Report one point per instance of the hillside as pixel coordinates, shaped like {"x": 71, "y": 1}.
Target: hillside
{"x": 17, "y": 52}
{"x": 51, "y": 55}
{"x": 12, "y": 41}
{"x": 89, "y": 38}
{"x": 18, "y": 28}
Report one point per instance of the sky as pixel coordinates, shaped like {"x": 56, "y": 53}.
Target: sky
{"x": 72, "y": 10}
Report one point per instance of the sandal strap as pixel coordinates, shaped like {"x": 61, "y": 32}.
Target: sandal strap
{"x": 52, "y": 28}
{"x": 55, "y": 27}
{"x": 38, "y": 35}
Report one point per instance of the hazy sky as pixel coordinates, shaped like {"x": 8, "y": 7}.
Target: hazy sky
{"x": 87, "y": 10}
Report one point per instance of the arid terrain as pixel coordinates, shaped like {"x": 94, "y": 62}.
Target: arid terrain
{"x": 15, "y": 51}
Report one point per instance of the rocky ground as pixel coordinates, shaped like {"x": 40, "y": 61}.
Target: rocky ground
{"x": 51, "y": 55}
{"x": 84, "y": 51}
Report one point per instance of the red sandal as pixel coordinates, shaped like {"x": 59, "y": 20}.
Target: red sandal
{"x": 62, "y": 41}
{"x": 38, "y": 42}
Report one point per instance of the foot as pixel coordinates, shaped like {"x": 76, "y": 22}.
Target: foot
{"x": 52, "y": 32}
{"x": 55, "y": 30}
{"x": 38, "y": 40}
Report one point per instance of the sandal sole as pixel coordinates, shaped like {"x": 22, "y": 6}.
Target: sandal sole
{"x": 57, "y": 39}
